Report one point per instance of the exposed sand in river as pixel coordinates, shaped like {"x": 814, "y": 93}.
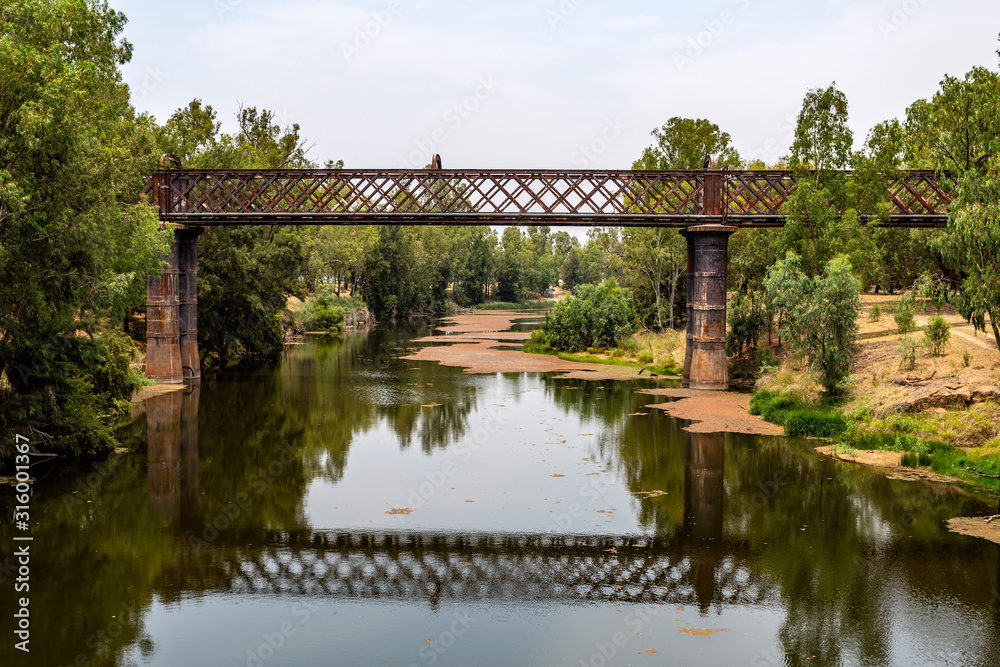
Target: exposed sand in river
{"x": 714, "y": 411}
{"x": 482, "y": 343}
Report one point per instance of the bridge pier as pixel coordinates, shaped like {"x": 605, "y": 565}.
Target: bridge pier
{"x": 172, "y": 314}
{"x": 187, "y": 255}
{"x": 705, "y": 354}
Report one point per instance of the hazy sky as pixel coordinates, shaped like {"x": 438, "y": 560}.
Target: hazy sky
{"x": 545, "y": 84}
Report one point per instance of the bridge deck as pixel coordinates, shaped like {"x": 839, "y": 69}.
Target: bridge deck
{"x": 510, "y": 197}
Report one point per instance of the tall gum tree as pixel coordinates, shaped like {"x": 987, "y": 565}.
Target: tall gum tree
{"x": 958, "y": 131}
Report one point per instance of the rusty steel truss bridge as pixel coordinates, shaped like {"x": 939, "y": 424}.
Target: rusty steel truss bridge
{"x": 708, "y": 204}
{"x": 510, "y": 197}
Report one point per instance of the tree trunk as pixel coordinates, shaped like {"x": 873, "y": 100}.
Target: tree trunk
{"x": 996, "y": 329}
{"x": 673, "y": 295}
{"x": 659, "y": 314}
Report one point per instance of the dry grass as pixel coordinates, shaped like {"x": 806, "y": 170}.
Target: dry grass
{"x": 792, "y": 378}
{"x": 666, "y": 348}
{"x": 880, "y": 383}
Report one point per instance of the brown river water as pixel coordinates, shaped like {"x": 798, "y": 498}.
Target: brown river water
{"x": 347, "y": 506}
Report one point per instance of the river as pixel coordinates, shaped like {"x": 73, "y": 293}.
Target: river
{"x": 349, "y": 507}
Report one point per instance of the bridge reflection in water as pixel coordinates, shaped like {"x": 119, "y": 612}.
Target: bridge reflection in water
{"x": 696, "y": 566}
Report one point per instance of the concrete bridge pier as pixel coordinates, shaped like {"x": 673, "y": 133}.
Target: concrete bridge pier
{"x": 705, "y": 355}
{"x": 172, "y": 314}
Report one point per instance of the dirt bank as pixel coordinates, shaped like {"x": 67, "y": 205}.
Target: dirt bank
{"x": 976, "y": 526}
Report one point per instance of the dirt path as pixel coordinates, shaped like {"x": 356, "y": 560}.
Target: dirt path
{"x": 986, "y": 342}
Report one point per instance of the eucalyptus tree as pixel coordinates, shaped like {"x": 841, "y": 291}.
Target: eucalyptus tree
{"x": 76, "y": 239}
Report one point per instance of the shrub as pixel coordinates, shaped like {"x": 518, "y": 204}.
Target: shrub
{"x": 966, "y": 358}
{"x": 875, "y": 314}
{"x": 600, "y": 316}
{"x": 904, "y": 316}
{"x": 936, "y": 335}
{"x": 818, "y": 315}
{"x": 747, "y": 320}
{"x": 907, "y": 353}
{"x": 319, "y": 315}
{"x": 644, "y": 358}
{"x": 798, "y": 420}
{"x": 538, "y": 343}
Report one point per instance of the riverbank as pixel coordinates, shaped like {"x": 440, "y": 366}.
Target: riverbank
{"x": 938, "y": 418}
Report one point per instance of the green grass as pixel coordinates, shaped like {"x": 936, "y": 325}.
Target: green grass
{"x": 591, "y": 359}
{"x": 797, "y": 418}
{"x": 895, "y": 433}
{"x": 506, "y": 305}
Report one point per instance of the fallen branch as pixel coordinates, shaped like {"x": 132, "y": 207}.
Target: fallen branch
{"x": 982, "y": 474}
{"x": 990, "y": 518}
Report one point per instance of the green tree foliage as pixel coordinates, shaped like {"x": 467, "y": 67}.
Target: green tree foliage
{"x": 475, "y": 267}
{"x": 683, "y": 143}
{"x": 936, "y": 335}
{"x": 76, "y": 241}
{"x": 748, "y": 320}
{"x": 958, "y": 130}
{"x": 384, "y": 278}
{"x": 244, "y": 273}
{"x": 821, "y": 221}
{"x": 582, "y": 265}
{"x": 823, "y": 141}
{"x": 513, "y": 266}
{"x": 599, "y": 316}
{"x": 653, "y": 261}
{"x": 885, "y": 257}
{"x": 818, "y": 315}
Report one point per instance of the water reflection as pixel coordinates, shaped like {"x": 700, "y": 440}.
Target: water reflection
{"x": 214, "y": 504}
{"x": 172, "y": 456}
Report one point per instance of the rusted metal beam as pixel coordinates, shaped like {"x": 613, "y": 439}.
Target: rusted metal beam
{"x": 510, "y": 197}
